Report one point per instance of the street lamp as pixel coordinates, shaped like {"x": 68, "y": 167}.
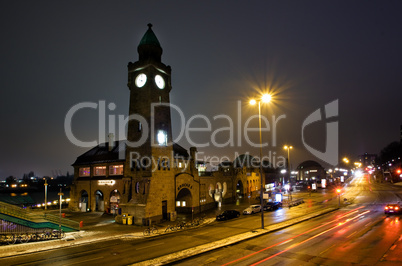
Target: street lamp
{"x": 287, "y": 147}
{"x": 46, "y": 184}
{"x": 266, "y": 98}
{"x": 61, "y": 195}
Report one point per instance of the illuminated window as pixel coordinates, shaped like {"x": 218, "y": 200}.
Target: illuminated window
{"x": 100, "y": 170}
{"x": 201, "y": 168}
{"x": 116, "y": 170}
{"x": 85, "y": 171}
{"x": 177, "y": 203}
{"x": 183, "y": 204}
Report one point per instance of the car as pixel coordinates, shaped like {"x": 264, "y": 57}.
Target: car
{"x": 271, "y": 206}
{"x": 227, "y": 215}
{"x": 392, "y": 208}
{"x": 252, "y": 209}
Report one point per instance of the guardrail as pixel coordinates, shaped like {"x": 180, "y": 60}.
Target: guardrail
{"x": 295, "y": 202}
{"x": 21, "y": 217}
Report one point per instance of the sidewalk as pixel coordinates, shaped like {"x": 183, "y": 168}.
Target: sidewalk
{"x": 98, "y": 226}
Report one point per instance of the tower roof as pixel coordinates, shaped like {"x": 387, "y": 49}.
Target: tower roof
{"x": 149, "y": 48}
{"x": 149, "y": 37}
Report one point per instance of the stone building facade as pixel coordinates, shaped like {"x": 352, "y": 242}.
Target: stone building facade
{"x": 148, "y": 176}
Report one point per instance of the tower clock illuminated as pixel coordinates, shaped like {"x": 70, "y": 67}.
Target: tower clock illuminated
{"x": 160, "y": 82}
{"x": 162, "y": 138}
{"x": 140, "y": 80}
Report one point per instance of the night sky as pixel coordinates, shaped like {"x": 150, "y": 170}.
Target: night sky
{"x": 56, "y": 54}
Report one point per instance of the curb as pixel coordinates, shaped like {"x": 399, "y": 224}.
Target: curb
{"x": 180, "y": 255}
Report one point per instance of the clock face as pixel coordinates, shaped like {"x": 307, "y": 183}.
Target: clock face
{"x": 140, "y": 80}
{"x": 160, "y": 82}
{"x": 162, "y": 138}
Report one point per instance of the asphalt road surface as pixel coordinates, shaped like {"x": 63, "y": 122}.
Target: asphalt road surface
{"x": 360, "y": 234}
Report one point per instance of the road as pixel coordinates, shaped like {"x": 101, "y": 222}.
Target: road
{"x": 129, "y": 250}
{"x": 359, "y": 233}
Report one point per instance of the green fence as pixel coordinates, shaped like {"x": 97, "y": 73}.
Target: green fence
{"x": 21, "y": 217}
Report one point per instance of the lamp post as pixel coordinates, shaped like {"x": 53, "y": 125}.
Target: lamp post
{"x": 287, "y": 147}
{"x": 61, "y": 195}
{"x": 46, "y": 184}
{"x": 265, "y": 99}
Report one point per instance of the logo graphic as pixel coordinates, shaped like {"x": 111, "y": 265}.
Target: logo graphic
{"x": 220, "y": 131}
{"x": 332, "y": 142}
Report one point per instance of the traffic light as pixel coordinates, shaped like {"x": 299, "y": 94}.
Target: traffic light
{"x": 338, "y": 191}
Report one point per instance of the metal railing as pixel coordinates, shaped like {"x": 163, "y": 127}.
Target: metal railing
{"x": 20, "y": 216}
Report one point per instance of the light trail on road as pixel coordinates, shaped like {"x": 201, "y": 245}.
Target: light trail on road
{"x": 308, "y": 239}
{"x": 351, "y": 212}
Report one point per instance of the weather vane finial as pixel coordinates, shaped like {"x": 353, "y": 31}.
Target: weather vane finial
{"x": 149, "y": 25}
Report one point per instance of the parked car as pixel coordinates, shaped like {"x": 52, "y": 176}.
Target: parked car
{"x": 227, "y": 215}
{"x": 271, "y": 206}
{"x": 252, "y": 209}
{"x": 392, "y": 208}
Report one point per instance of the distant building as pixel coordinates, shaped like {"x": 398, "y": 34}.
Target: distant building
{"x": 310, "y": 171}
{"x": 367, "y": 159}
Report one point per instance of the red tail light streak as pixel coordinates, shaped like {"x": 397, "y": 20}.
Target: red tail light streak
{"x": 338, "y": 224}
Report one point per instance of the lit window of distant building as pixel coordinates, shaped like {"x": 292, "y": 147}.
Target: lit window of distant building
{"x": 85, "y": 171}
{"x": 116, "y": 170}
{"x": 100, "y": 170}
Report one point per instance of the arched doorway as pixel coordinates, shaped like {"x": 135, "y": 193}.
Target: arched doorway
{"x": 100, "y": 203}
{"x": 184, "y": 201}
{"x": 83, "y": 205}
{"x": 114, "y": 201}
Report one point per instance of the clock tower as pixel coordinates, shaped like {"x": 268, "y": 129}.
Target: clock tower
{"x": 149, "y": 136}
{"x": 157, "y": 178}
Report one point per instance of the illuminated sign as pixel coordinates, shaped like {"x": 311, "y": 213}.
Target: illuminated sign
{"x": 106, "y": 182}
{"x": 323, "y": 183}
